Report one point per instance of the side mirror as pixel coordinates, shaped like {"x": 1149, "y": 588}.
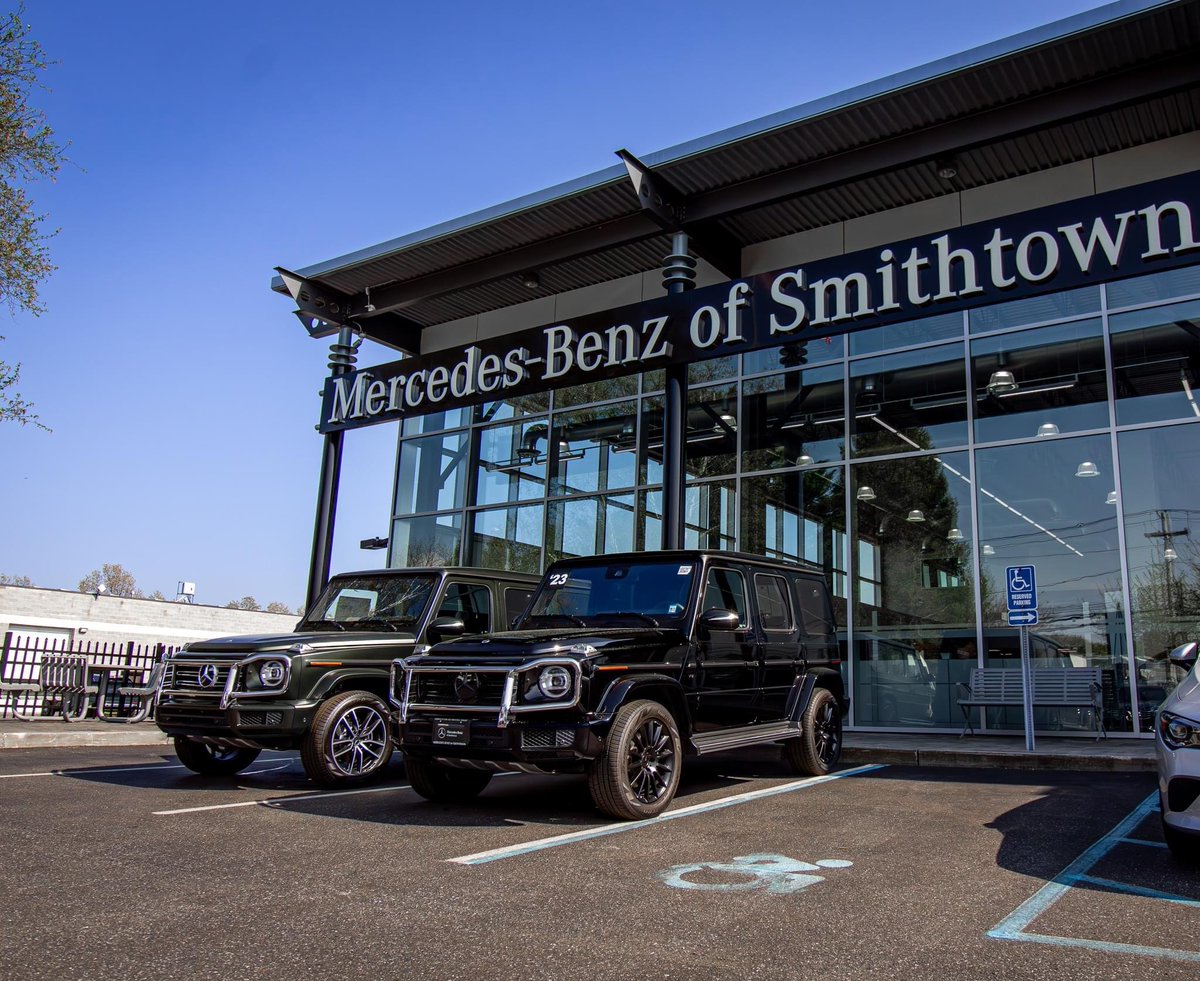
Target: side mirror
{"x": 444, "y": 627}
{"x": 718, "y": 620}
{"x": 1184, "y": 655}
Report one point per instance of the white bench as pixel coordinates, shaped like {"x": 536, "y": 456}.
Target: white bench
{"x": 1052, "y": 688}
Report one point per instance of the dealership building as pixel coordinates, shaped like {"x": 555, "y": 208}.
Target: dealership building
{"x": 916, "y": 333}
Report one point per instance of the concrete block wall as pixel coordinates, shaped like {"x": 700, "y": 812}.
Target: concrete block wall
{"x": 115, "y": 619}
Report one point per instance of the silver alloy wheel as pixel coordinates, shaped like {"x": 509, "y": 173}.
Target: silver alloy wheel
{"x": 358, "y": 741}
{"x": 650, "y": 762}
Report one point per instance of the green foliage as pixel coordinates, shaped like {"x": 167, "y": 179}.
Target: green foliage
{"x": 115, "y": 578}
{"x": 28, "y": 152}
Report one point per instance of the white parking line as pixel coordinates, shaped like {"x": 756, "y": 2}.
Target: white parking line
{"x": 86, "y": 771}
{"x": 512, "y": 851}
{"x": 276, "y": 801}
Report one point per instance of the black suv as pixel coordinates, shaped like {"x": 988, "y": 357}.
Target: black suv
{"x": 622, "y": 666}
{"x": 323, "y": 688}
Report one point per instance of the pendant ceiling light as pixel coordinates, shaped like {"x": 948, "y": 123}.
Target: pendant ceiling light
{"x": 1001, "y": 382}
{"x": 865, "y": 493}
{"x": 915, "y": 516}
{"x": 1087, "y": 469}
{"x": 1047, "y": 429}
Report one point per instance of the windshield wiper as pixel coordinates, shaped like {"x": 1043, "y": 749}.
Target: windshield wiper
{"x": 384, "y": 620}
{"x": 631, "y": 613}
{"x": 321, "y": 625}
{"x": 560, "y": 616}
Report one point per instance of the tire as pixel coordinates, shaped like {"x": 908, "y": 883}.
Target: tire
{"x": 637, "y": 773}
{"x": 819, "y": 747}
{"x": 212, "y": 760}
{"x": 1185, "y": 848}
{"x": 445, "y": 784}
{"x": 349, "y": 742}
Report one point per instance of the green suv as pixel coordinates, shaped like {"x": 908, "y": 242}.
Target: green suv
{"x": 323, "y": 689}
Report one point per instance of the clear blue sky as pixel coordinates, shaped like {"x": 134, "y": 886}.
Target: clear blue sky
{"x": 213, "y": 141}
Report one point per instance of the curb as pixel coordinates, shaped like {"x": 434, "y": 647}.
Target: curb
{"x": 53, "y": 740}
{"x": 1000, "y": 760}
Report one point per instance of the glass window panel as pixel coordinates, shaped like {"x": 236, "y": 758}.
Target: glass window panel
{"x": 589, "y": 526}
{"x": 1156, "y": 363}
{"x": 1165, "y": 285}
{"x": 1045, "y": 504}
{"x": 470, "y": 603}
{"x": 947, "y": 327}
{"x": 793, "y": 515}
{"x": 431, "y": 473}
{"x": 1160, "y": 470}
{"x": 915, "y": 400}
{"x": 433, "y": 422}
{"x": 597, "y": 391}
{"x": 773, "y": 605}
{"x": 431, "y": 540}
{"x": 508, "y": 538}
{"x": 814, "y": 350}
{"x": 1035, "y": 309}
{"x": 594, "y": 449}
{"x": 513, "y": 408}
{"x": 794, "y": 419}
{"x": 512, "y": 462}
{"x": 654, "y": 381}
{"x": 649, "y": 527}
{"x": 716, "y": 369}
{"x": 712, "y": 427}
{"x": 650, "y": 444}
{"x": 725, "y": 590}
{"x": 913, "y": 598}
{"x": 710, "y": 513}
{"x": 1057, "y": 384}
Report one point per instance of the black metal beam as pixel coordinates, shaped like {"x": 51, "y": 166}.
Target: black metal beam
{"x": 394, "y": 330}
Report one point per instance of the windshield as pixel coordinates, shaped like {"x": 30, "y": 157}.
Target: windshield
{"x": 647, "y": 592}
{"x": 391, "y": 602}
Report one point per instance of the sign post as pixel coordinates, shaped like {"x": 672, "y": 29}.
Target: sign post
{"x": 1021, "y": 586}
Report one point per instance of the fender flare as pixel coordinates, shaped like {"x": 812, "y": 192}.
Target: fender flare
{"x": 667, "y": 689}
{"x": 804, "y": 686}
{"x": 377, "y": 682}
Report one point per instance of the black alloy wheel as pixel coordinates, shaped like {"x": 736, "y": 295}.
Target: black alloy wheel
{"x": 818, "y": 748}
{"x": 212, "y": 760}
{"x": 445, "y": 784}
{"x": 637, "y": 773}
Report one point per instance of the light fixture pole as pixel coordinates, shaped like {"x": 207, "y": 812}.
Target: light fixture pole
{"x": 342, "y": 356}
{"x": 679, "y": 276}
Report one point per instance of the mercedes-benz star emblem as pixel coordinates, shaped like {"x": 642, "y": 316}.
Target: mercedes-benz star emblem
{"x": 207, "y": 676}
{"x": 466, "y": 687}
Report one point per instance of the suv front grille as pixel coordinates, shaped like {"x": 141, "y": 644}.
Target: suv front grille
{"x": 466, "y": 688}
{"x": 184, "y": 676}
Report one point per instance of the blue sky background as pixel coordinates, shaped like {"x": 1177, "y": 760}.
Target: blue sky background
{"x": 213, "y": 141}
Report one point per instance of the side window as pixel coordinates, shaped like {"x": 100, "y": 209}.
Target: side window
{"x": 726, "y": 590}
{"x": 816, "y": 616}
{"x": 516, "y": 598}
{"x": 471, "y": 603}
{"x": 773, "y": 606}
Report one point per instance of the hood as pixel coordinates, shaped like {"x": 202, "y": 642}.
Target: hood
{"x": 611, "y": 644}
{"x": 1185, "y": 699}
{"x": 322, "y": 640}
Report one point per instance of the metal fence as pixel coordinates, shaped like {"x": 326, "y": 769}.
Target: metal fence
{"x": 21, "y": 660}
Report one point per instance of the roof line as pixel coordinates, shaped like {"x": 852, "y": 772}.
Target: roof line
{"x": 972, "y": 57}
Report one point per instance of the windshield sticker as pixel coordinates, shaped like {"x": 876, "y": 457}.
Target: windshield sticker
{"x": 684, "y": 570}
{"x": 559, "y": 579}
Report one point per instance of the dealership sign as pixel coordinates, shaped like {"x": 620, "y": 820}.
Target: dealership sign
{"x": 1090, "y": 240}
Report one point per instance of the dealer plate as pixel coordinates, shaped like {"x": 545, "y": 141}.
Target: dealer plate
{"x": 451, "y": 732}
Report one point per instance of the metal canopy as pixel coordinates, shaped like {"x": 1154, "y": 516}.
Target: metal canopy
{"x": 1112, "y": 78}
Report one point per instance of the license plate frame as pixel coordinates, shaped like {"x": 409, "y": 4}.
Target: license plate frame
{"x": 451, "y": 732}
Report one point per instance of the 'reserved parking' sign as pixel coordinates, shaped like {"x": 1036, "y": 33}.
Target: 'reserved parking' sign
{"x": 1021, "y": 586}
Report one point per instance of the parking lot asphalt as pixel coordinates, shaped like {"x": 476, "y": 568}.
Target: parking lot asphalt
{"x": 122, "y": 863}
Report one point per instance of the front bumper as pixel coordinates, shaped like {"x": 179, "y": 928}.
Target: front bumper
{"x": 1179, "y": 787}
{"x": 266, "y": 724}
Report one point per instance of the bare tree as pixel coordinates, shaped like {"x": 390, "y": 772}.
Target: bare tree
{"x": 115, "y": 578}
{"x": 276, "y": 607}
{"x": 7, "y": 580}
{"x": 245, "y": 603}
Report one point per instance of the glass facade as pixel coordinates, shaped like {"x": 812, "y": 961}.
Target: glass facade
{"x": 911, "y": 462}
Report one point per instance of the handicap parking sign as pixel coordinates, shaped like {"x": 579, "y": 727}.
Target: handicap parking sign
{"x": 1021, "y": 583}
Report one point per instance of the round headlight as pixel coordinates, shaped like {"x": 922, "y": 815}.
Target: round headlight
{"x": 554, "y": 681}
{"x": 271, "y": 673}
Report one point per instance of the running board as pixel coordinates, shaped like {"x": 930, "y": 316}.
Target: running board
{"x": 723, "y": 739}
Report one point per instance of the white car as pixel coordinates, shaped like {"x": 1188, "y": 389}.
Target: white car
{"x": 1177, "y": 736}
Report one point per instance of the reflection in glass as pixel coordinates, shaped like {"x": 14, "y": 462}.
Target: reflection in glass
{"x": 511, "y": 462}
{"x": 913, "y": 600}
{"x": 1034, "y": 510}
{"x": 435, "y": 421}
{"x": 1057, "y": 382}
{"x": 1035, "y": 310}
{"x": 949, "y": 326}
{"x": 710, "y": 513}
{"x": 1156, "y": 363}
{"x": 1165, "y": 285}
{"x": 792, "y": 416}
{"x": 712, "y": 428}
{"x": 715, "y": 369}
{"x": 512, "y": 408}
{"x": 596, "y": 391}
{"x": 1160, "y": 469}
{"x": 431, "y": 473}
{"x": 431, "y": 540}
{"x": 508, "y": 538}
{"x": 813, "y": 350}
{"x": 915, "y": 400}
{"x": 589, "y": 526}
{"x": 594, "y": 449}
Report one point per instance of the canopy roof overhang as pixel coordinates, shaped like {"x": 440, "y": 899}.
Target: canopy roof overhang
{"x": 1120, "y": 76}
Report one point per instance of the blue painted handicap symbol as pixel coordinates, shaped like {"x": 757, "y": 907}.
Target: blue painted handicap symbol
{"x": 772, "y": 873}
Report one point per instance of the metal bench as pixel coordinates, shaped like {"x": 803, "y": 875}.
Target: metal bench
{"x": 146, "y": 695}
{"x": 1052, "y": 688}
{"x": 65, "y": 677}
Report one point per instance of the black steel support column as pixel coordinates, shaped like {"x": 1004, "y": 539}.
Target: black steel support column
{"x": 341, "y": 360}
{"x": 679, "y": 275}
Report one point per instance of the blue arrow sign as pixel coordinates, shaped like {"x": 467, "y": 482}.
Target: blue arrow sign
{"x": 1023, "y": 618}
{"x": 1021, "y": 584}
